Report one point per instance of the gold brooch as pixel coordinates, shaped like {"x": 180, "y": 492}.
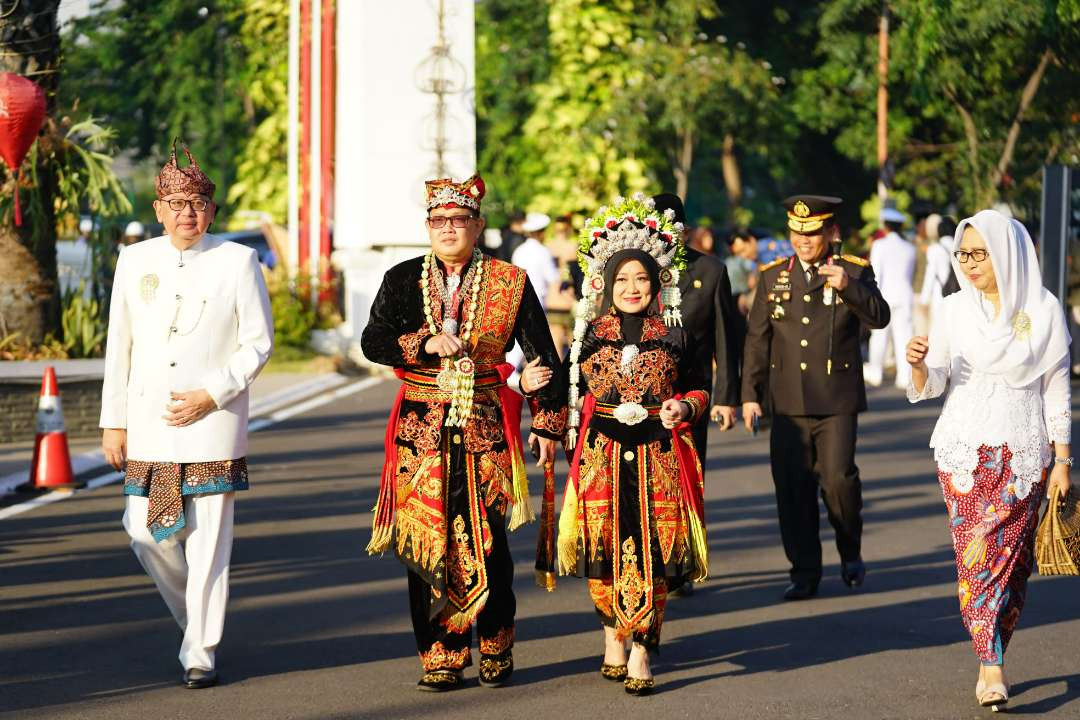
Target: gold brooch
{"x": 148, "y": 287}
{"x": 1022, "y": 325}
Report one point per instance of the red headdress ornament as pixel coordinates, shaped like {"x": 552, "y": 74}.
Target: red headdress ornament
{"x": 449, "y": 194}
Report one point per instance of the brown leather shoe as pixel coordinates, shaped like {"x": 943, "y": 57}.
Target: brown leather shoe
{"x": 197, "y": 678}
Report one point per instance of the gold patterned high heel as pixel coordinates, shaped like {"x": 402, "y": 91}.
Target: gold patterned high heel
{"x": 638, "y": 686}
{"x": 615, "y": 673}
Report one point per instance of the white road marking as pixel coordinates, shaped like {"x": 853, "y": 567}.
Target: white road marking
{"x": 254, "y": 426}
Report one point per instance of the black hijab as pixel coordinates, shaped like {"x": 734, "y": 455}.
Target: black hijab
{"x": 631, "y": 323}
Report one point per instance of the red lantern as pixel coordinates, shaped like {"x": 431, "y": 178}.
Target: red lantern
{"x": 22, "y": 113}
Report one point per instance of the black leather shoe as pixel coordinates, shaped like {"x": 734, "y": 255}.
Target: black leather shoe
{"x": 800, "y": 590}
{"x": 685, "y": 590}
{"x": 197, "y": 678}
{"x": 853, "y": 573}
{"x": 440, "y": 681}
{"x": 495, "y": 670}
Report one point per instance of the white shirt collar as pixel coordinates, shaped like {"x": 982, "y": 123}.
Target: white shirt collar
{"x": 189, "y": 253}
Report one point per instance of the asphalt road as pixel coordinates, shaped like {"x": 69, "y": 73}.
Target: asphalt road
{"x": 317, "y": 629}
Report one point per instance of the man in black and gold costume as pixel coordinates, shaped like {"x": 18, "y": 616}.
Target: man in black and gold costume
{"x": 454, "y": 465}
{"x": 802, "y": 349}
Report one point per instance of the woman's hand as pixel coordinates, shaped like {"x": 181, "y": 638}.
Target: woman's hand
{"x": 543, "y": 449}
{"x": 917, "y": 348}
{"x": 672, "y": 412}
{"x": 1059, "y": 478}
{"x": 534, "y": 376}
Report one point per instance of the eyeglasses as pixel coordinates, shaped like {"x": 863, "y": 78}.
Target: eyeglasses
{"x": 458, "y": 221}
{"x": 962, "y": 256}
{"x": 178, "y": 205}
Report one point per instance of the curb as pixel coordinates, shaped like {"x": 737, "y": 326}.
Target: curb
{"x": 268, "y": 405}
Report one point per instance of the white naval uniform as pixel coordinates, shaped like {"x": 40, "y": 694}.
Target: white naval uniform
{"x": 186, "y": 320}
{"x": 893, "y": 260}
{"x": 938, "y": 267}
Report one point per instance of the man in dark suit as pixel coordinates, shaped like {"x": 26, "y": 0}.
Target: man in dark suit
{"x": 717, "y": 329}
{"x": 710, "y": 316}
{"x": 802, "y": 352}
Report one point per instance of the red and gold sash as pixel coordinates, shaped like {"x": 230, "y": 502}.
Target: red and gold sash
{"x": 498, "y": 304}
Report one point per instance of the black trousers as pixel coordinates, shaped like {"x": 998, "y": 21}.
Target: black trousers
{"x": 441, "y": 649}
{"x": 812, "y": 453}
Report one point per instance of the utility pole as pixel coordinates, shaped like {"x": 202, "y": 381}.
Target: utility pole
{"x": 885, "y": 171}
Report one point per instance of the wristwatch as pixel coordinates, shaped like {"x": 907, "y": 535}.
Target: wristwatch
{"x": 1063, "y": 461}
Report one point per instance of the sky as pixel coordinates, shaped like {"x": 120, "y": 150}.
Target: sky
{"x": 73, "y": 8}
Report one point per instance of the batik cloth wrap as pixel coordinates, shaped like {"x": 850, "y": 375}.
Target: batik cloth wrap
{"x": 167, "y": 484}
{"x": 993, "y": 534}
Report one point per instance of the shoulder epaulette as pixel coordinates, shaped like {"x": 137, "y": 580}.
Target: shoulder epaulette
{"x": 856, "y": 260}
{"x": 774, "y": 263}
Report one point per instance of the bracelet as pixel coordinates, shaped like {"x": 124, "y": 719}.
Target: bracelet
{"x": 1063, "y": 461}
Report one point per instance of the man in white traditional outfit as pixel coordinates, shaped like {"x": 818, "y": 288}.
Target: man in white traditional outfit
{"x": 189, "y": 329}
{"x": 939, "y": 231}
{"x": 893, "y": 260}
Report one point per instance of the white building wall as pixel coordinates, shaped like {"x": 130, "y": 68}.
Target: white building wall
{"x": 386, "y": 135}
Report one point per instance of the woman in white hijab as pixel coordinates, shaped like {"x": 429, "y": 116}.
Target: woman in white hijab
{"x": 1002, "y": 348}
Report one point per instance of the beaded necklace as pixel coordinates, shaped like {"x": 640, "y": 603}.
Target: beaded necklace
{"x": 456, "y": 377}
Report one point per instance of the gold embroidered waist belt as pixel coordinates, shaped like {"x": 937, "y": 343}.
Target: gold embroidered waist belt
{"x": 424, "y": 385}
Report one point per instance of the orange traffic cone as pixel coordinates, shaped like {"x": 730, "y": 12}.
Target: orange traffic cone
{"x": 51, "y": 467}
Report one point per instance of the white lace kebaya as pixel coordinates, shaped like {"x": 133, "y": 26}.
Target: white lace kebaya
{"x": 988, "y": 402}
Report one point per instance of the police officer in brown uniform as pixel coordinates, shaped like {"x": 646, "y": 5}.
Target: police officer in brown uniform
{"x": 802, "y": 349}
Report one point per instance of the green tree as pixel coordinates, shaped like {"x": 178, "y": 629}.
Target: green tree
{"x": 29, "y": 47}
{"x": 576, "y": 160}
{"x": 511, "y": 58}
{"x": 68, "y": 169}
{"x": 692, "y": 92}
{"x": 978, "y": 92}
{"x": 157, "y": 69}
{"x": 262, "y": 181}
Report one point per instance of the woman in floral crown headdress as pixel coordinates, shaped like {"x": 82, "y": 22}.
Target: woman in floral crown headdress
{"x": 632, "y": 517}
